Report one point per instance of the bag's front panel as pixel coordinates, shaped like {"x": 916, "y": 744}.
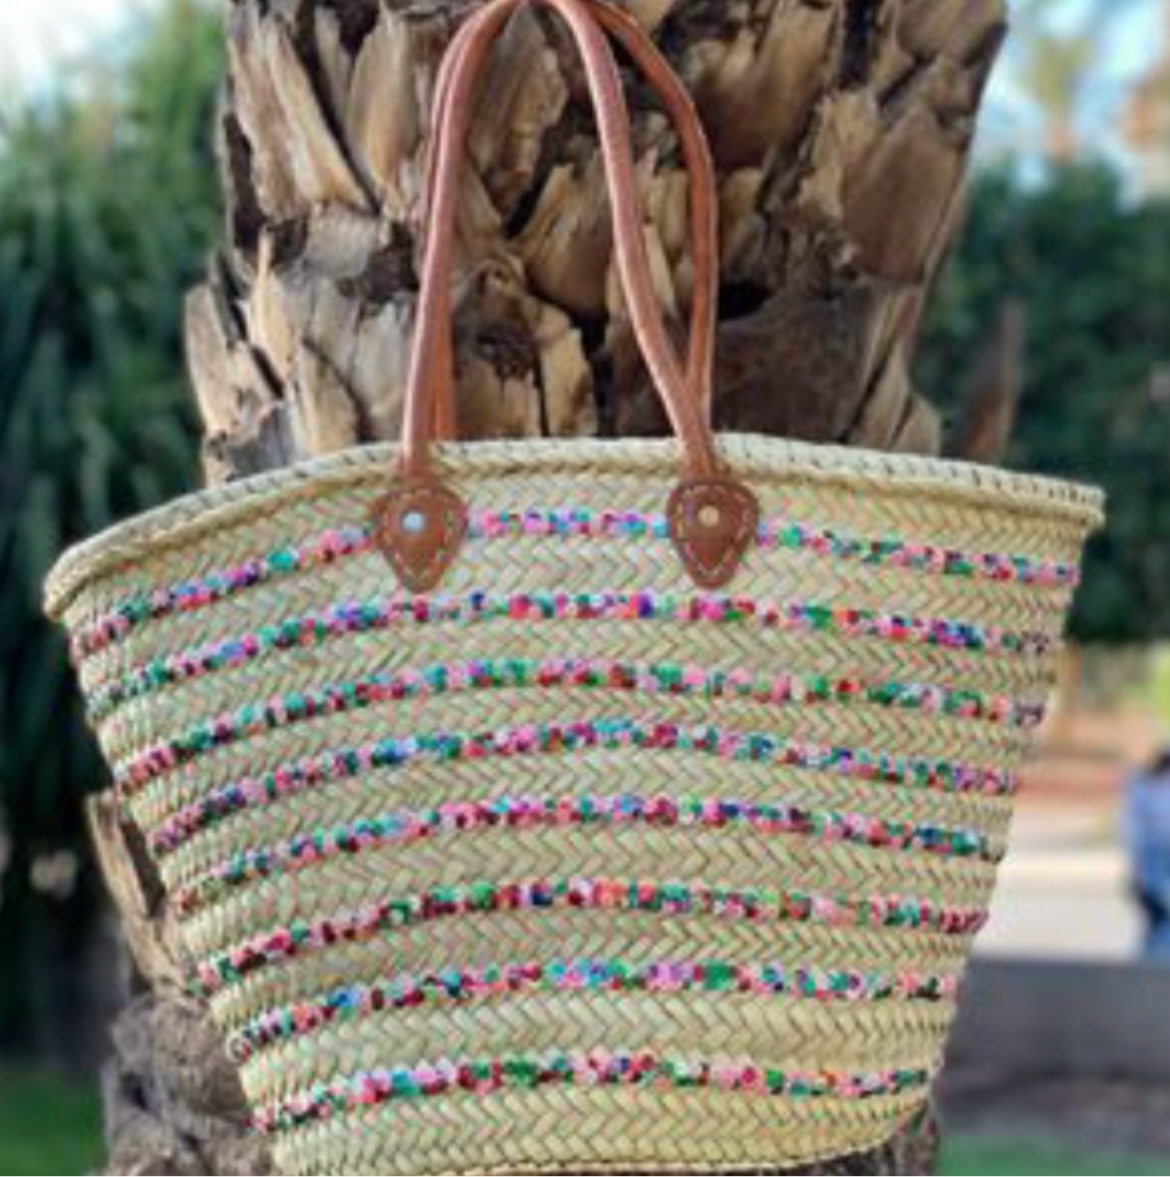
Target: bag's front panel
{"x": 691, "y": 874}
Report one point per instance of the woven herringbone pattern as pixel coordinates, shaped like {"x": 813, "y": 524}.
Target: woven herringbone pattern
{"x": 571, "y": 866}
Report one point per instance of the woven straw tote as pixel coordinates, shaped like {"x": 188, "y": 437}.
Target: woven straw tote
{"x": 576, "y": 805}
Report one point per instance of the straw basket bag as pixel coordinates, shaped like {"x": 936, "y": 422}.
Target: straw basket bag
{"x": 578, "y": 805}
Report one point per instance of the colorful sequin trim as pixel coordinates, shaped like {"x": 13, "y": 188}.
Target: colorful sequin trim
{"x": 525, "y": 813}
{"x": 596, "y": 674}
{"x": 341, "y": 542}
{"x": 367, "y": 1089}
{"x": 757, "y": 905}
{"x": 189, "y": 595}
{"x": 350, "y": 1003}
{"x": 558, "y": 738}
{"x": 352, "y": 618}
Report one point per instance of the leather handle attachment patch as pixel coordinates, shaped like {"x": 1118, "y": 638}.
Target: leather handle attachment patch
{"x": 712, "y": 521}
{"x": 419, "y": 528}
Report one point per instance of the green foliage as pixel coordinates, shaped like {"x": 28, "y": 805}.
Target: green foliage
{"x": 1093, "y": 271}
{"x": 107, "y": 208}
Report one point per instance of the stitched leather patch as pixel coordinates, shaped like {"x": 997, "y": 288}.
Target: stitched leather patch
{"x": 419, "y": 529}
{"x": 712, "y": 523}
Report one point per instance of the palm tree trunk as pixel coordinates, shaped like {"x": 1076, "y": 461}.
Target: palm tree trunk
{"x": 841, "y": 129}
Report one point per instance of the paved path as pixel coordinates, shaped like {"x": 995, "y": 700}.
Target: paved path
{"x": 1062, "y": 891}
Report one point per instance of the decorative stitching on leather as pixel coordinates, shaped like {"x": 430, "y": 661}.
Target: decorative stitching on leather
{"x": 390, "y": 508}
{"x": 711, "y": 492}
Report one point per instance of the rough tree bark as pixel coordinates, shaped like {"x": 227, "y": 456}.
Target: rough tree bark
{"x": 841, "y": 129}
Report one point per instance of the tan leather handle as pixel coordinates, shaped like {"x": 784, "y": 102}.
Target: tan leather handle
{"x": 711, "y": 518}
{"x": 700, "y": 170}
{"x": 429, "y": 376}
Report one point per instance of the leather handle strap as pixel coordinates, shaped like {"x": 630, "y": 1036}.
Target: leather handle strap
{"x": 429, "y": 376}
{"x": 700, "y": 169}
{"x": 712, "y": 519}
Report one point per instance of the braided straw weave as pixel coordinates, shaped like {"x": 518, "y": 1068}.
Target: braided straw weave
{"x": 568, "y": 864}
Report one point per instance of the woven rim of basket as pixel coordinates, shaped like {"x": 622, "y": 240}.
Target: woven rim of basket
{"x": 752, "y": 456}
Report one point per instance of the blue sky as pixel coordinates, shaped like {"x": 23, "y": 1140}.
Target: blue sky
{"x": 39, "y": 38}
{"x": 1122, "y": 53}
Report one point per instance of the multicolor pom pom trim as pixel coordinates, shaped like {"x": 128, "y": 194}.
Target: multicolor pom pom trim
{"x": 525, "y": 813}
{"x": 557, "y": 738}
{"x": 351, "y": 618}
{"x": 758, "y": 905}
{"x": 591, "y": 673}
{"x": 342, "y": 542}
{"x": 350, "y": 1003}
{"x": 368, "y": 1089}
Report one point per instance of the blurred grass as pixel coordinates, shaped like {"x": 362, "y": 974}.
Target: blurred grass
{"x": 990, "y": 1155}
{"x": 47, "y": 1125}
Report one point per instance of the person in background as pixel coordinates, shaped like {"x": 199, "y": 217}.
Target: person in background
{"x": 1147, "y": 838}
